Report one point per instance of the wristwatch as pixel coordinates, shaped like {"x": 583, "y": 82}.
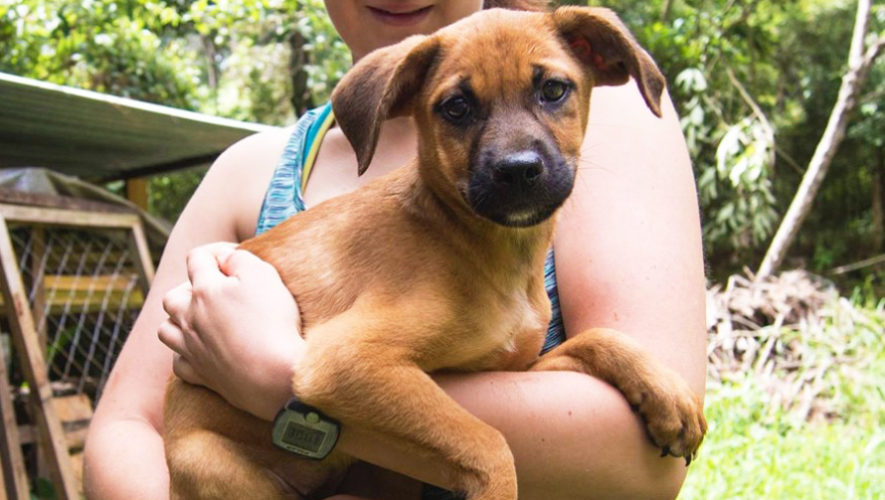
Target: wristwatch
{"x": 305, "y": 430}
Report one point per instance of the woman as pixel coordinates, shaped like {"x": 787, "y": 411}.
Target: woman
{"x": 628, "y": 256}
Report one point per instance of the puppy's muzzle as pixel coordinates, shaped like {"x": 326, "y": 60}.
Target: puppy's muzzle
{"x": 519, "y": 188}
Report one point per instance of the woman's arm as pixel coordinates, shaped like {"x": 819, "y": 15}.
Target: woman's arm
{"x": 628, "y": 243}
{"x": 124, "y": 456}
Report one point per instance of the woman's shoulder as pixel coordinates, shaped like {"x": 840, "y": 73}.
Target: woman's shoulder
{"x": 240, "y": 176}
{"x": 267, "y": 143}
{"x": 233, "y": 189}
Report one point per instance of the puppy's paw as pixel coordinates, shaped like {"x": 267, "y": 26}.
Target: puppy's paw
{"x": 672, "y": 413}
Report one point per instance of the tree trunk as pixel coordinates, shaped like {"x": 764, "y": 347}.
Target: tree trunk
{"x": 859, "y": 64}
{"x": 299, "y": 58}
{"x": 211, "y": 61}
{"x": 665, "y": 11}
{"x": 879, "y": 203}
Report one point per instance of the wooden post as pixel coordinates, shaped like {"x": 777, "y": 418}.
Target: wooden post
{"x": 24, "y": 336}
{"x": 38, "y": 252}
{"x": 15, "y": 480}
{"x": 137, "y": 191}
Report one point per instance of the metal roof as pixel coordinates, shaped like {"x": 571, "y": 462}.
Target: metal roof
{"x": 100, "y": 137}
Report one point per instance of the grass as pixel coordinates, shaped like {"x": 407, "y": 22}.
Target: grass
{"x": 758, "y": 449}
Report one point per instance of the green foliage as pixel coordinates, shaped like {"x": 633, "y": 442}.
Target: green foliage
{"x": 43, "y": 490}
{"x": 169, "y": 192}
{"x": 330, "y": 56}
{"x": 96, "y": 45}
{"x": 789, "y": 57}
{"x": 756, "y": 448}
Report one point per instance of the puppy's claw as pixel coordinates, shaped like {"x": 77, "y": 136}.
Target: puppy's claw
{"x": 671, "y": 413}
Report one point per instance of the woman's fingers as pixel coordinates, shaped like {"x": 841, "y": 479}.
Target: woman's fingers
{"x": 182, "y": 369}
{"x": 171, "y": 335}
{"x": 245, "y": 264}
{"x": 203, "y": 263}
{"x": 176, "y": 303}
{"x": 234, "y": 315}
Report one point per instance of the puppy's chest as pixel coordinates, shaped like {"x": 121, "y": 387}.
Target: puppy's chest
{"x": 507, "y": 336}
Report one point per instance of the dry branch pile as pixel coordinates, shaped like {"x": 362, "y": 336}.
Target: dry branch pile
{"x": 792, "y": 332}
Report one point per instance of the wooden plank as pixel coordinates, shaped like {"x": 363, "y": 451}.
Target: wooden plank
{"x": 75, "y": 412}
{"x": 101, "y": 282}
{"x": 62, "y": 217}
{"x": 91, "y": 257}
{"x": 33, "y": 365}
{"x": 91, "y": 304}
{"x": 74, "y": 408}
{"x": 75, "y": 435}
{"x": 87, "y": 293}
{"x": 15, "y": 480}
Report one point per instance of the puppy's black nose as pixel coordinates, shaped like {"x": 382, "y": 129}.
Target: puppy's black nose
{"x": 520, "y": 169}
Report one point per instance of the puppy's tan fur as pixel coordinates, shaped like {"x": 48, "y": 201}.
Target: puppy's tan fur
{"x": 401, "y": 278}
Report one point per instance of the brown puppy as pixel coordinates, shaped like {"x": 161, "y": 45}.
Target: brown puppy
{"x": 439, "y": 265}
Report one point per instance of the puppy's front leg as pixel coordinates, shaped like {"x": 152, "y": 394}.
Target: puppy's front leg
{"x": 360, "y": 368}
{"x": 672, "y": 412}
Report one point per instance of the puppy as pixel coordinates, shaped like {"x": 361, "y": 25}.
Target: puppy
{"x": 439, "y": 265}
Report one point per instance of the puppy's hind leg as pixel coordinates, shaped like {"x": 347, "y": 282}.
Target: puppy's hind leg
{"x": 672, "y": 412}
{"x": 207, "y": 466}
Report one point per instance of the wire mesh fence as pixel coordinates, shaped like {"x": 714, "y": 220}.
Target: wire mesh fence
{"x": 84, "y": 292}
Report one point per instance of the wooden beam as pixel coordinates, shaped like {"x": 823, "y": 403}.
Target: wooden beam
{"x": 15, "y": 480}
{"x": 76, "y": 218}
{"x": 33, "y": 364}
{"x": 142, "y": 255}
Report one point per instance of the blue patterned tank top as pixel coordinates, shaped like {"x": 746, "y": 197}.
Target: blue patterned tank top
{"x": 284, "y": 199}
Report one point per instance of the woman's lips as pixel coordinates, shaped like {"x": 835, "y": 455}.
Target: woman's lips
{"x": 400, "y": 18}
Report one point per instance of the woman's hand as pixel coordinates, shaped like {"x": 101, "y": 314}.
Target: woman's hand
{"x": 234, "y": 328}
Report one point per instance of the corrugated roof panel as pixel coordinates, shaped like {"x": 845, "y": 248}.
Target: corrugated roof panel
{"x": 96, "y": 136}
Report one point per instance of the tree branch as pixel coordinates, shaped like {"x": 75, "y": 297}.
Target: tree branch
{"x": 874, "y": 50}
{"x": 769, "y": 130}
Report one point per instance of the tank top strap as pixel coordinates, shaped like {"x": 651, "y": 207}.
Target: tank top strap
{"x": 556, "y": 329}
{"x": 284, "y": 196}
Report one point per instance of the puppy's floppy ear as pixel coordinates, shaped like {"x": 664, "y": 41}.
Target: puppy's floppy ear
{"x": 600, "y": 40}
{"x": 380, "y": 86}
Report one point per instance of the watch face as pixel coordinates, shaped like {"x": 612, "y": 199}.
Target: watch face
{"x": 303, "y": 436}
{"x": 309, "y": 434}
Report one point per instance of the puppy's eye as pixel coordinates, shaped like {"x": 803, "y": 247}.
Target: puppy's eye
{"x": 553, "y": 91}
{"x": 456, "y": 108}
